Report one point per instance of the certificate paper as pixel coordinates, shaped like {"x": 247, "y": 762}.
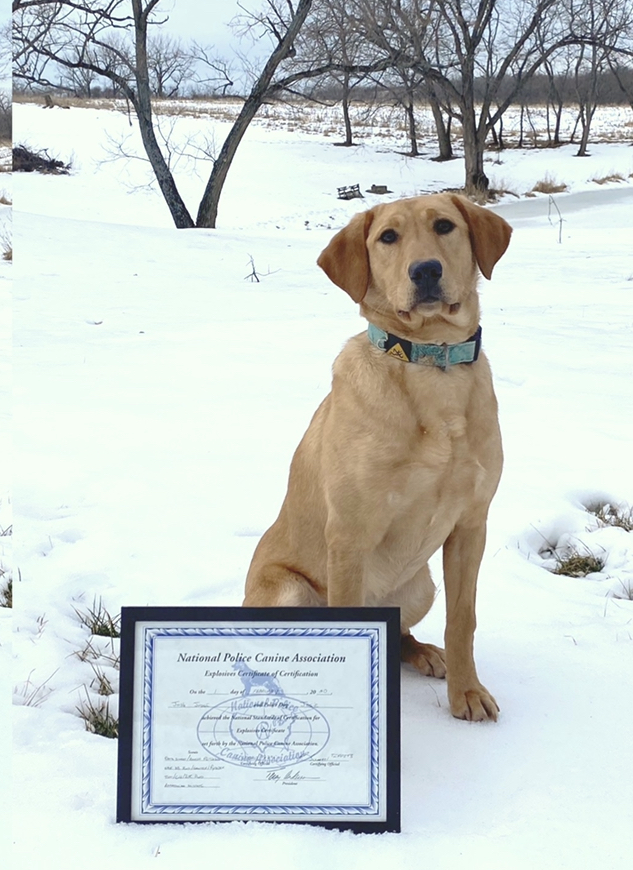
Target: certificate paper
{"x": 267, "y": 714}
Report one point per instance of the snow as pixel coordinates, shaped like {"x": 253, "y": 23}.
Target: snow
{"x": 158, "y": 398}
{"x": 5, "y": 503}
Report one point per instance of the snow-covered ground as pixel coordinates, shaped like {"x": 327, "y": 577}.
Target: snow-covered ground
{"x": 5, "y": 502}
{"x": 158, "y": 397}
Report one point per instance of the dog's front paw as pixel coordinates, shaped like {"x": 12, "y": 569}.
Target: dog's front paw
{"x": 476, "y": 705}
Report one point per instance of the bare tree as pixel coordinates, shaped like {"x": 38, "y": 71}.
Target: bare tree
{"x": 402, "y": 32}
{"x": 600, "y": 25}
{"x": 81, "y": 81}
{"x": 332, "y": 42}
{"x": 488, "y": 41}
{"x": 459, "y": 43}
{"x": 480, "y": 56}
{"x": 170, "y": 64}
{"x": 212, "y": 72}
{"x": 6, "y": 118}
{"x": 5, "y": 49}
{"x": 443, "y": 114}
{"x": 286, "y": 25}
{"x": 559, "y": 70}
{"x": 82, "y": 35}
{"x": 6, "y": 114}
{"x": 623, "y": 76}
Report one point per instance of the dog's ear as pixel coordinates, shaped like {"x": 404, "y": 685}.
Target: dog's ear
{"x": 345, "y": 260}
{"x": 489, "y": 233}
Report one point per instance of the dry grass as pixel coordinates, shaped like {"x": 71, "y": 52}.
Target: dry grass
{"x": 625, "y": 592}
{"x": 501, "y": 187}
{"x": 549, "y": 185}
{"x": 6, "y": 243}
{"x": 480, "y": 197}
{"x": 101, "y": 682}
{"x": 608, "y": 179}
{"x": 29, "y": 694}
{"x": 98, "y": 719}
{"x": 577, "y": 564}
{"x": 619, "y": 516}
{"x": 228, "y": 107}
{"x": 6, "y": 592}
{"x": 99, "y": 621}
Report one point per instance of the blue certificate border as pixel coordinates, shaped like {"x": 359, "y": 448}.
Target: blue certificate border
{"x": 309, "y": 623}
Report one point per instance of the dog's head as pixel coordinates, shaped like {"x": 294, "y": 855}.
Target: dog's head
{"x": 413, "y": 262}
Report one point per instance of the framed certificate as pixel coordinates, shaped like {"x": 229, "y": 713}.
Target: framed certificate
{"x": 260, "y": 714}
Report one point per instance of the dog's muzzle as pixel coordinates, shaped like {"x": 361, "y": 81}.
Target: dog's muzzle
{"x": 425, "y": 276}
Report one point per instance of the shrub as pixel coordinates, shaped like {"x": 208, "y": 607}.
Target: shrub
{"x": 549, "y": 185}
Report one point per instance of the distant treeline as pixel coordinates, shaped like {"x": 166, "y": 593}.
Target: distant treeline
{"x": 612, "y": 90}
{"x": 537, "y": 91}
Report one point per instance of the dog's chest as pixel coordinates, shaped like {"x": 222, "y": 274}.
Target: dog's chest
{"x": 437, "y": 480}
{"x": 434, "y": 415}
{"x": 425, "y": 444}
{"x": 438, "y": 462}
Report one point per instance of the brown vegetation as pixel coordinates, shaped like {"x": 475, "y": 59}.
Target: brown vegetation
{"x": 25, "y": 160}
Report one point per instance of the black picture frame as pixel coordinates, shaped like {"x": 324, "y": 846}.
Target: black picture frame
{"x": 152, "y": 635}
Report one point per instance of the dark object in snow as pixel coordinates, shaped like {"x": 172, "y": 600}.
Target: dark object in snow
{"x": 379, "y": 188}
{"x": 350, "y": 191}
{"x": 50, "y": 104}
{"x": 30, "y": 161}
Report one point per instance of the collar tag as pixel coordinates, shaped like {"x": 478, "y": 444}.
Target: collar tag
{"x": 396, "y": 350}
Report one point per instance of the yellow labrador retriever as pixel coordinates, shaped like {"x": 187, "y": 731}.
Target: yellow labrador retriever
{"x": 404, "y": 455}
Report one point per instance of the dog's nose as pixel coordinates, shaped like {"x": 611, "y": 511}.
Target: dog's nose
{"x": 426, "y": 274}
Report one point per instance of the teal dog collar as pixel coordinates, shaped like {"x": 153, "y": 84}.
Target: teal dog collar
{"x": 440, "y": 355}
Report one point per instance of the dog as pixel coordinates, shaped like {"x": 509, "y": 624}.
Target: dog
{"x": 404, "y": 455}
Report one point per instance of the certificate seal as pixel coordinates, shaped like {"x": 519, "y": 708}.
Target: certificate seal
{"x": 266, "y": 730}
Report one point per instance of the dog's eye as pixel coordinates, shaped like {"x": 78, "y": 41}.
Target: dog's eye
{"x": 389, "y": 237}
{"x": 443, "y": 226}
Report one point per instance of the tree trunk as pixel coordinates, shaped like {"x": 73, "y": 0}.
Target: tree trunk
{"x": 473, "y": 133}
{"x": 501, "y": 143}
{"x": 474, "y": 138}
{"x": 143, "y": 108}
{"x": 587, "y": 96}
{"x": 476, "y": 180}
{"x": 346, "y": 118}
{"x": 442, "y": 129}
{"x": 208, "y": 210}
{"x": 586, "y": 117}
{"x": 412, "y": 130}
{"x": 559, "y": 118}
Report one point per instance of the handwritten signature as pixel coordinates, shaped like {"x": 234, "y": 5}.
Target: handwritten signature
{"x": 291, "y": 777}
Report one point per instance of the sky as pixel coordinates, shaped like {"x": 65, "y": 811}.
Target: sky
{"x": 206, "y": 21}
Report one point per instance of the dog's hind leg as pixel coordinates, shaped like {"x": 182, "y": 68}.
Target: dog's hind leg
{"x": 425, "y": 657}
{"x": 278, "y": 586}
